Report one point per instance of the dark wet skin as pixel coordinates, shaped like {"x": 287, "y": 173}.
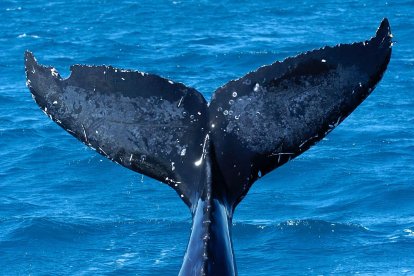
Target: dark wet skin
{"x": 212, "y": 154}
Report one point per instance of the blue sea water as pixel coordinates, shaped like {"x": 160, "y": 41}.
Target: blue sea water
{"x": 344, "y": 207}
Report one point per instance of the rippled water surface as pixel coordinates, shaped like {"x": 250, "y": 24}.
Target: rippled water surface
{"x": 344, "y": 207}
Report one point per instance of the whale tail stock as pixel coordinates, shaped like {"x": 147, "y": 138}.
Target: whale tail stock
{"x": 253, "y": 124}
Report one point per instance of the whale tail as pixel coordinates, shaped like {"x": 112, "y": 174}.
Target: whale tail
{"x": 254, "y": 124}
{"x": 277, "y": 112}
{"x": 141, "y": 121}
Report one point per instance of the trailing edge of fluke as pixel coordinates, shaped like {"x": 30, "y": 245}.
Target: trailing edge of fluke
{"x": 211, "y": 154}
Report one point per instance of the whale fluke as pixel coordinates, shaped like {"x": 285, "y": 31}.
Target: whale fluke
{"x": 141, "y": 121}
{"x": 212, "y": 154}
{"x": 274, "y": 114}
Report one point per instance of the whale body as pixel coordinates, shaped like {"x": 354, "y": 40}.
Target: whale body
{"x": 212, "y": 153}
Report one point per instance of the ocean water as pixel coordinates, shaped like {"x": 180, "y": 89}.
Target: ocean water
{"x": 344, "y": 207}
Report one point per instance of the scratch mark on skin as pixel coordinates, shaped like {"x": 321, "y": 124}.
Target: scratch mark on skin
{"x": 103, "y": 152}
{"x": 199, "y": 161}
{"x": 280, "y": 155}
{"x": 84, "y": 133}
{"x": 179, "y": 103}
{"x": 336, "y": 124}
{"x": 307, "y": 140}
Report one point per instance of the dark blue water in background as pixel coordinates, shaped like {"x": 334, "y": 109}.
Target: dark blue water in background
{"x": 344, "y": 207}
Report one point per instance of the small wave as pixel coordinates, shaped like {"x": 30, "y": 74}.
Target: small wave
{"x": 402, "y": 235}
{"x": 14, "y": 9}
{"x": 48, "y": 229}
{"x": 410, "y": 233}
{"x": 124, "y": 258}
{"x": 63, "y": 228}
{"x": 16, "y": 205}
{"x": 23, "y": 35}
{"x": 163, "y": 255}
{"x": 320, "y": 226}
{"x": 304, "y": 226}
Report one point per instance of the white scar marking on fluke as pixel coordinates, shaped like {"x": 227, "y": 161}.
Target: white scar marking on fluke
{"x": 281, "y": 153}
{"x": 130, "y": 158}
{"x": 199, "y": 161}
{"x": 84, "y": 133}
{"x": 54, "y": 72}
{"x": 179, "y": 103}
{"x": 103, "y": 151}
{"x": 307, "y": 140}
{"x": 336, "y": 124}
{"x": 171, "y": 181}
